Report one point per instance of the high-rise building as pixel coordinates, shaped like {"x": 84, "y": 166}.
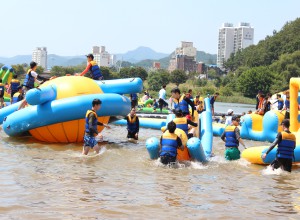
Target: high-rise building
{"x": 39, "y": 55}
{"x": 102, "y": 57}
{"x": 184, "y": 58}
{"x": 231, "y": 39}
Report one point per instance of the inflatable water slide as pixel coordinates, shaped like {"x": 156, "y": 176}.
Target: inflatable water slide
{"x": 266, "y": 128}
{"x": 198, "y": 148}
{"x": 56, "y": 111}
{"x": 6, "y": 74}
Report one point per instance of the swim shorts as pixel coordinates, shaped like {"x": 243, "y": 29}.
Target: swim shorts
{"x": 166, "y": 159}
{"x": 283, "y": 163}
{"x": 89, "y": 141}
{"x": 232, "y": 153}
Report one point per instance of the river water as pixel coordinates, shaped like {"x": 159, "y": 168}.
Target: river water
{"x": 54, "y": 181}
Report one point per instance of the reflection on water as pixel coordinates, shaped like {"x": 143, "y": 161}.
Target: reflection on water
{"x": 53, "y": 181}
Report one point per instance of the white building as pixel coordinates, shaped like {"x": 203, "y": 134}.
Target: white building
{"x": 102, "y": 57}
{"x": 187, "y": 49}
{"x": 231, "y": 39}
{"x": 39, "y": 55}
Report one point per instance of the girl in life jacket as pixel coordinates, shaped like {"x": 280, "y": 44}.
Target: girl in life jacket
{"x": 93, "y": 68}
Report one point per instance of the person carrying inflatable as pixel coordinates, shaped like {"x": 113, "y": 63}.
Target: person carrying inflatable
{"x": 231, "y": 136}
{"x": 183, "y": 123}
{"x": 2, "y": 90}
{"x": 93, "y": 68}
{"x": 91, "y": 131}
{"x": 133, "y": 125}
{"x": 169, "y": 142}
{"x": 182, "y": 102}
{"x": 286, "y": 142}
{"x": 18, "y": 96}
{"x": 14, "y": 85}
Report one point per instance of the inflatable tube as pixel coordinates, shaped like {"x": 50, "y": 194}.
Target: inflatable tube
{"x": 206, "y": 130}
{"x": 63, "y": 110}
{"x": 218, "y": 129}
{"x": 152, "y": 145}
{"x": 151, "y": 110}
{"x": 42, "y": 95}
{"x": 147, "y": 102}
{"x": 8, "y": 110}
{"x": 154, "y": 123}
{"x": 121, "y": 86}
{"x": 196, "y": 150}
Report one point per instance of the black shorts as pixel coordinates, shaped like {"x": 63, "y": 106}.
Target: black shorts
{"x": 166, "y": 159}
{"x": 132, "y": 135}
{"x": 283, "y": 163}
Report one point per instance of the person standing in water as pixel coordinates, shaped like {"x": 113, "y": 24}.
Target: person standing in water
{"x": 231, "y": 136}
{"x": 133, "y": 125}
{"x": 286, "y": 142}
{"x": 182, "y": 102}
{"x": 93, "y": 68}
{"x": 91, "y": 131}
{"x": 169, "y": 142}
{"x": 183, "y": 123}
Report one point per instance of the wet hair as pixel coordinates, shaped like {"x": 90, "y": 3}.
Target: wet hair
{"x": 164, "y": 86}
{"x": 235, "y": 118}
{"x": 15, "y": 76}
{"x": 178, "y": 112}
{"x": 278, "y": 95}
{"x": 175, "y": 90}
{"x": 96, "y": 102}
{"x": 33, "y": 64}
{"x": 171, "y": 126}
{"x": 286, "y": 123}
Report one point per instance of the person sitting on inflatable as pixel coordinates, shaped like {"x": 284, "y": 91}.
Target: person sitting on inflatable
{"x": 169, "y": 142}
{"x": 133, "y": 125}
{"x": 155, "y": 105}
{"x": 13, "y": 86}
{"x": 262, "y": 105}
{"x": 91, "y": 123}
{"x": 18, "y": 96}
{"x": 183, "y": 123}
{"x": 231, "y": 136}
{"x": 93, "y": 68}
{"x": 285, "y": 152}
{"x": 182, "y": 102}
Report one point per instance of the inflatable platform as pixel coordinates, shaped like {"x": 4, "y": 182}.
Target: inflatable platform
{"x": 268, "y": 127}
{"x": 57, "y": 108}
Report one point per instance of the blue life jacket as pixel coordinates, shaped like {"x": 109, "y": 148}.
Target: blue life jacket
{"x": 2, "y": 89}
{"x": 280, "y": 104}
{"x": 14, "y": 84}
{"x": 132, "y": 125}
{"x": 87, "y": 130}
{"x": 182, "y": 104}
{"x": 95, "y": 70}
{"x": 29, "y": 80}
{"x": 286, "y": 146}
{"x": 287, "y": 104}
{"x": 231, "y": 140}
{"x": 181, "y": 123}
{"x": 134, "y": 96}
{"x": 169, "y": 144}
{"x": 15, "y": 98}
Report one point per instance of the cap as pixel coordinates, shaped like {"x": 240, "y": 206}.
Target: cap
{"x": 229, "y": 111}
{"x": 90, "y": 55}
{"x": 32, "y": 64}
{"x": 286, "y": 123}
{"x": 235, "y": 118}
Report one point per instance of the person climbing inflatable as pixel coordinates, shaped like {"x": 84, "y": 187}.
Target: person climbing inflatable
{"x": 93, "y": 68}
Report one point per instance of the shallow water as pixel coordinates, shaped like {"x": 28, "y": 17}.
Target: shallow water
{"x": 53, "y": 181}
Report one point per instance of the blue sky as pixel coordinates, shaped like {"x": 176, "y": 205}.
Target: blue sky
{"x": 72, "y": 27}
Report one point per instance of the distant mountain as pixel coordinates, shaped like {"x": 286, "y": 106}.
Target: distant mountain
{"x": 16, "y": 59}
{"x": 139, "y": 54}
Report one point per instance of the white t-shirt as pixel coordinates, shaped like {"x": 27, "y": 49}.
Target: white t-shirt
{"x": 33, "y": 74}
{"x": 228, "y": 120}
{"x": 162, "y": 94}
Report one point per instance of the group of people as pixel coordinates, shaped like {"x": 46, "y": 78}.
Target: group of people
{"x": 265, "y": 103}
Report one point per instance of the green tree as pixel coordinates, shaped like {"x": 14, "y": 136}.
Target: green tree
{"x": 157, "y": 79}
{"x": 178, "y": 77}
{"x": 254, "y": 79}
{"x": 57, "y": 71}
{"x": 39, "y": 70}
{"x": 106, "y": 72}
{"x": 18, "y": 69}
{"x": 129, "y": 72}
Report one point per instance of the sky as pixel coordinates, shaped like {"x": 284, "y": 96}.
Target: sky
{"x": 72, "y": 27}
